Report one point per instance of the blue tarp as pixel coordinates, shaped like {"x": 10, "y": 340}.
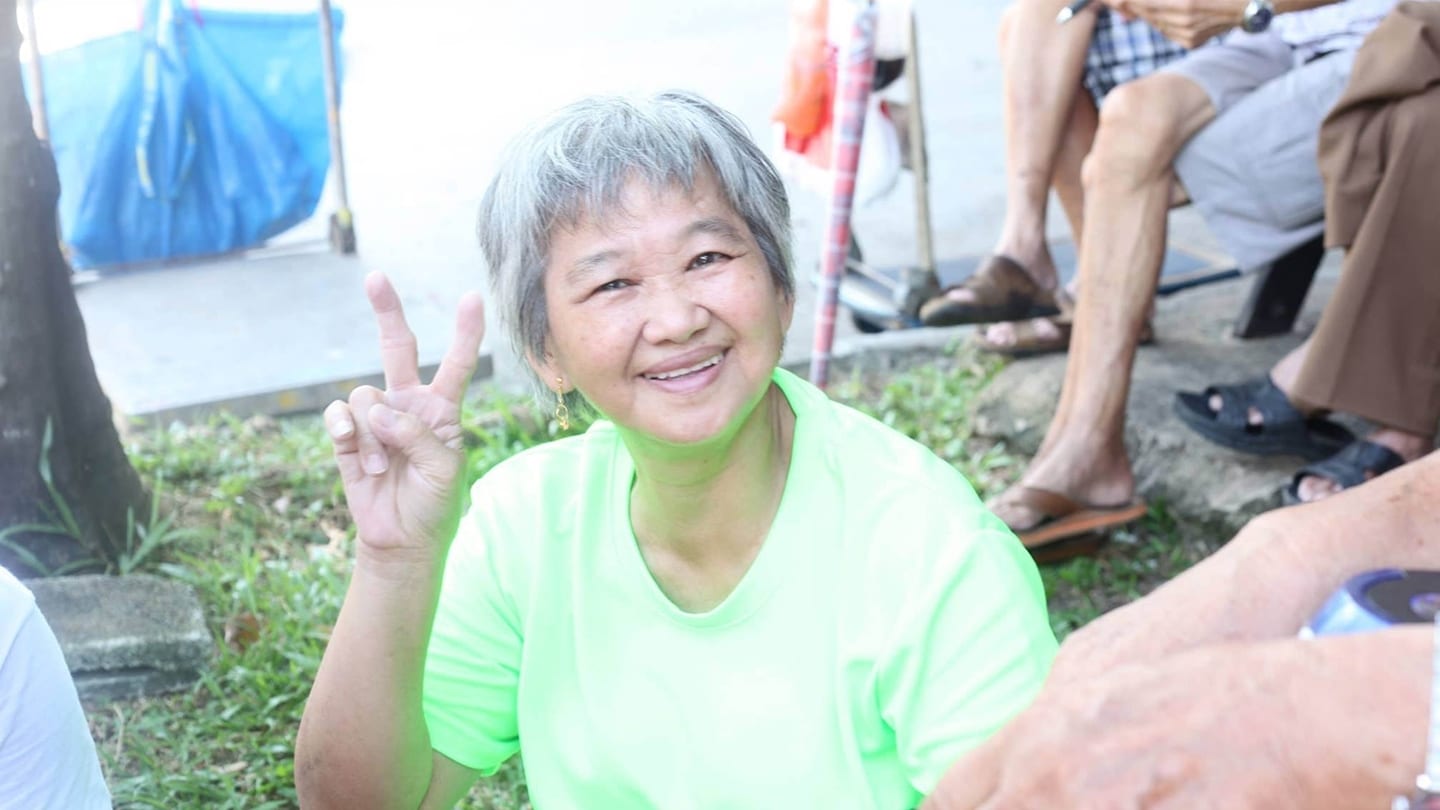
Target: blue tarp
{"x": 201, "y": 132}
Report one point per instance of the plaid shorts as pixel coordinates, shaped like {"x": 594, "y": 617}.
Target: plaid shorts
{"x": 1122, "y": 50}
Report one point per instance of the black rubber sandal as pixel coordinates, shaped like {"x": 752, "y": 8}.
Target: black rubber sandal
{"x": 1283, "y": 430}
{"x": 1359, "y": 461}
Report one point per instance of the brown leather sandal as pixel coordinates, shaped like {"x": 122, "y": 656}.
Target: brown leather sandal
{"x": 1003, "y": 292}
{"x": 1067, "y": 528}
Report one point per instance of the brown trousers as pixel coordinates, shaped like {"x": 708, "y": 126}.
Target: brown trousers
{"x": 1376, "y": 350}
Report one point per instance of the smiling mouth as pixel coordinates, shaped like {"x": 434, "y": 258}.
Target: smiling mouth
{"x": 685, "y": 372}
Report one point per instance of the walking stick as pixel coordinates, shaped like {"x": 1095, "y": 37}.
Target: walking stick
{"x": 855, "y": 73}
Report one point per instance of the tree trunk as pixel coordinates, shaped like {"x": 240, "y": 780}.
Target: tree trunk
{"x": 47, "y": 378}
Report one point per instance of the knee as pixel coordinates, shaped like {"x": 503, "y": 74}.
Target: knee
{"x": 1138, "y": 136}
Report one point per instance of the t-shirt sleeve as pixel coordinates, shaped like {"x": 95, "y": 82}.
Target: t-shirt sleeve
{"x": 972, "y": 647}
{"x": 472, "y": 664}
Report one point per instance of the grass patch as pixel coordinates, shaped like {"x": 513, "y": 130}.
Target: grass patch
{"x": 258, "y": 527}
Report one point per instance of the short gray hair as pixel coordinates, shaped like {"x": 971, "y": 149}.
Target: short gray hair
{"x": 580, "y": 161}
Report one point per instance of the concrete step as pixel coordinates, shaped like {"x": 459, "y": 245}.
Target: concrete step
{"x": 126, "y": 637}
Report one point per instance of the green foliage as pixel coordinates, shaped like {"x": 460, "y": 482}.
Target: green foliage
{"x": 255, "y": 521}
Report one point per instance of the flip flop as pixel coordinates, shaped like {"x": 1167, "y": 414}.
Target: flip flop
{"x": 1283, "y": 430}
{"x": 1360, "y": 461}
{"x": 1003, "y": 292}
{"x": 1067, "y": 528}
{"x": 1029, "y": 342}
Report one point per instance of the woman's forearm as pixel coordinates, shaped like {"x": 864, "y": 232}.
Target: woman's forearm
{"x": 363, "y": 742}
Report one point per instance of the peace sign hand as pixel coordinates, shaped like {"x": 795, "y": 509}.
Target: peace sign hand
{"x": 399, "y": 450}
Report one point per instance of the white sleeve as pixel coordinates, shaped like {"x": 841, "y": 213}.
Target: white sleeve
{"x": 47, "y": 757}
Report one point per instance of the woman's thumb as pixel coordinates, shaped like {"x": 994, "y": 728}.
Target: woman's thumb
{"x": 415, "y": 440}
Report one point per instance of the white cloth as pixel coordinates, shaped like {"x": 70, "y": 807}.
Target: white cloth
{"x": 1336, "y": 27}
{"x": 47, "y": 758}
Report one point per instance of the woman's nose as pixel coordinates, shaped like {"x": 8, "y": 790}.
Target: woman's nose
{"x": 674, "y": 312}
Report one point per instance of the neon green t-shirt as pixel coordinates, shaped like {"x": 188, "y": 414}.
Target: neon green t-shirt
{"x": 888, "y": 624}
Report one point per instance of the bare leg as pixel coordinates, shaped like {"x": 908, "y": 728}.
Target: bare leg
{"x": 1042, "y": 63}
{"x": 1128, "y": 182}
{"x": 1075, "y": 145}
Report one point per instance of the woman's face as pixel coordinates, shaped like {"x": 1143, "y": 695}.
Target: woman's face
{"x": 663, "y": 313}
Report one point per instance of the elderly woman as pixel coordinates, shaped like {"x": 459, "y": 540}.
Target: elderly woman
{"x": 729, "y": 592}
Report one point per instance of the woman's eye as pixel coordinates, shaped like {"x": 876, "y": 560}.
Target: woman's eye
{"x": 706, "y": 259}
{"x": 611, "y": 286}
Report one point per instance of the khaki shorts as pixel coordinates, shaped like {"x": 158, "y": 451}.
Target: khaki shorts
{"x": 1252, "y": 172}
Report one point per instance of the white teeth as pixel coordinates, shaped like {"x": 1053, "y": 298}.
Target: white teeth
{"x": 670, "y": 375}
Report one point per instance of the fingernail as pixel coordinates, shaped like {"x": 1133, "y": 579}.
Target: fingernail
{"x": 342, "y": 428}
{"x": 375, "y": 463}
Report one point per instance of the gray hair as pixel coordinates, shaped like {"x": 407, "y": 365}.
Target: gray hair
{"x": 581, "y": 159}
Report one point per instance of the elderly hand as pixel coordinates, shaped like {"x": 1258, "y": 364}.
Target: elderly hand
{"x": 1335, "y": 723}
{"x": 1191, "y": 23}
{"x": 1259, "y": 586}
{"x": 399, "y": 450}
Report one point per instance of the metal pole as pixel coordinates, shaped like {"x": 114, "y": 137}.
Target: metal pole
{"x": 342, "y": 222}
{"x": 37, "y": 75}
{"x": 918, "y": 160}
{"x": 919, "y": 282}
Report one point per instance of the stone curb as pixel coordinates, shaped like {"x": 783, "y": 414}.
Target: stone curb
{"x": 126, "y": 637}
{"x": 885, "y": 351}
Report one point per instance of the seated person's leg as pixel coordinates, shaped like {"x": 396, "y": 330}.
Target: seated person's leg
{"x": 1127, "y": 190}
{"x": 1048, "y": 121}
{"x": 1374, "y": 352}
{"x": 1049, "y": 128}
{"x": 1128, "y": 182}
{"x": 1120, "y": 51}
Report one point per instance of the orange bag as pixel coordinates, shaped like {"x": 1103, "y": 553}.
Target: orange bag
{"x": 805, "y": 107}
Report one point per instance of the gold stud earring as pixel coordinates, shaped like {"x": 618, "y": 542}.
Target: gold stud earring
{"x": 562, "y": 413}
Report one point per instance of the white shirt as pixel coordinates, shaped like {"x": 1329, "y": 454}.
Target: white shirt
{"x": 47, "y": 758}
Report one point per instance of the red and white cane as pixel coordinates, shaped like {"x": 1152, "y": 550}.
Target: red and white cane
{"x": 855, "y": 74}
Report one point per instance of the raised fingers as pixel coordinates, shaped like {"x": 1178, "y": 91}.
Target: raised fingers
{"x": 398, "y": 354}
{"x": 340, "y": 425}
{"x": 373, "y": 456}
{"x": 460, "y": 359}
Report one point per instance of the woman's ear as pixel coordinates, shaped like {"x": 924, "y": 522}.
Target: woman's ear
{"x": 549, "y": 371}
{"x": 546, "y": 369}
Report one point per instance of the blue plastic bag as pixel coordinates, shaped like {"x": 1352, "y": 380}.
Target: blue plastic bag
{"x": 204, "y": 132}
